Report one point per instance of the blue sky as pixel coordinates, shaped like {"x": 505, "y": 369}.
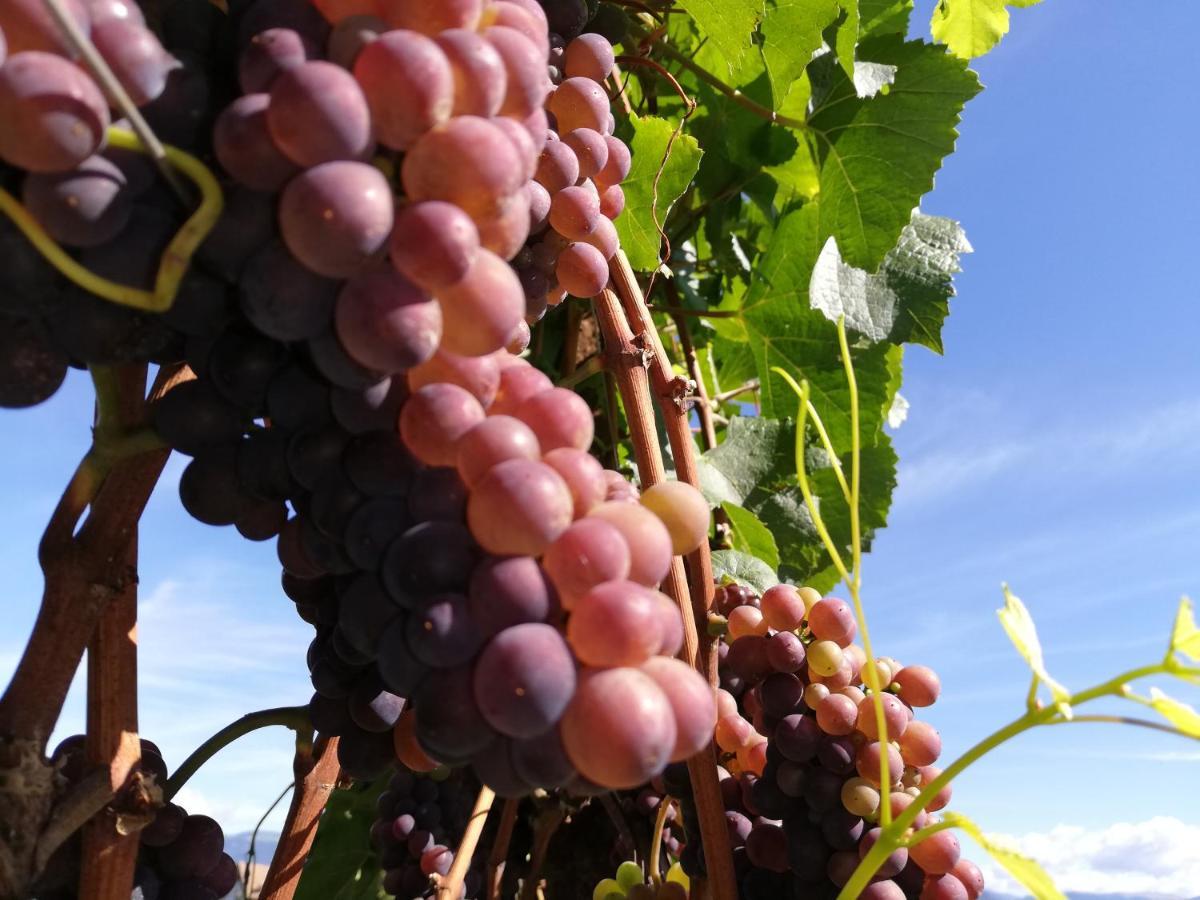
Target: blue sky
{"x": 1053, "y": 447}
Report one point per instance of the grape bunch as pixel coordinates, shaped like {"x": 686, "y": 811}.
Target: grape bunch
{"x": 800, "y": 747}
{"x": 421, "y": 821}
{"x": 629, "y": 884}
{"x": 180, "y": 855}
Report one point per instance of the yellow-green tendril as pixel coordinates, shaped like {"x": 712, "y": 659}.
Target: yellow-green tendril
{"x": 175, "y": 259}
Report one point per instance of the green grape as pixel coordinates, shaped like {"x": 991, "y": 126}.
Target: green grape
{"x": 824, "y": 657}
{"x": 676, "y": 875}
{"x": 629, "y": 874}
{"x": 607, "y": 888}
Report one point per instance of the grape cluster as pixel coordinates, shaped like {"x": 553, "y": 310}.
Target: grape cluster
{"x": 629, "y": 884}
{"x": 180, "y": 855}
{"x": 421, "y": 821}
{"x": 800, "y": 747}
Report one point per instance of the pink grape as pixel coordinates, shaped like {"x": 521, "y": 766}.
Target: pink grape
{"x": 386, "y": 322}
{"x": 518, "y": 340}
{"x": 937, "y": 854}
{"x": 833, "y": 620}
{"x": 920, "y": 745}
{"x": 882, "y": 890}
{"x": 479, "y": 74}
{"x": 538, "y": 126}
{"x": 692, "y": 703}
{"x": 408, "y": 84}
{"x": 350, "y": 35}
{"x": 244, "y": 147}
{"x": 519, "y": 508}
{"x": 135, "y": 56}
{"x": 524, "y": 679}
{"x": 433, "y": 243}
{"x": 582, "y": 270}
{"x": 836, "y": 715}
{"x": 336, "y": 217}
{"x": 518, "y": 382}
{"x": 523, "y": 142}
{"x": 579, "y": 103}
{"x": 615, "y": 624}
{"x": 492, "y": 441}
{"x": 919, "y": 685}
{"x": 618, "y": 729}
{"x": 539, "y": 207}
{"x": 269, "y": 53}
{"x": 430, "y": 18}
{"x": 433, "y": 420}
{"x": 583, "y": 474}
{"x": 746, "y": 620}
{"x": 526, "y": 84}
{"x": 467, "y": 161}
{"x": 560, "y": 418}
{"x": 732, "y": 733}
{"x": 481, "y": 310}
{"x": 617, "y": 166}
{"x": 612, "y": 201}
{"x": 574, "y": 212}
{"x": 589, "y": 56}
{"x": 683, "y": 509}
{"x": 867, "y": 761}
{"x": 520, "y": 18}
{"x": 318, "y": 114}
{"x": 783, "y": 607}
{"x": 590, "y": 149}
{"x": 557, "y": 167}
{"x": 943, "y": 887}
{"x": 54, "y": 115}
{"x": 505, "y": 232}
{"x": 648, "y": 539}
{"x": 893, "y": 715}
{"x": 121, "y": 10}
{"x": 337, "y": 10}
{"x": 587, "y": 554}
{"x": 85, "y": 207}
{"x": 942, "y": 798}
{"x": 604, "y": 238}
{"x": 29, "y": 25}
{"x": 970, "y": 876}
{"x": 671, "y": 622}
{"x": 479, "y": 375}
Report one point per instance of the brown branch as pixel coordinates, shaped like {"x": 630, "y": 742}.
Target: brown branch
{"x": 316, "y": 770}
{"x": 544, "y": 829}
{"x": 499, "y": 855}
{"x": 450, "y": 886}
{"x": 703, "y": 410}
{"x": 85, "y": 799}
{"x": 630, "y": 361}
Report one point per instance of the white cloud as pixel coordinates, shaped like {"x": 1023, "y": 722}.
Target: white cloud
{"x": 1158, "y": 857}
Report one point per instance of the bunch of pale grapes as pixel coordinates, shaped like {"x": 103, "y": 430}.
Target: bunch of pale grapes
{"x": 181, "y": 856}
{"x": 629, "y": 883}
{"x": 799, "y": 741}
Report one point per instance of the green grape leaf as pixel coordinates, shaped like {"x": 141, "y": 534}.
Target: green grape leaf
{"x": 848, "y": 35}
{"x": 750, "y": 535}
{"x": 970, "y": 28}
{"x": 908, "y": 299}
{"x": 728, "y": 25}
{"x": 878, "y": 17}
{"x": 744, "y": 569}
{"x": 1018, "y": 624}
{"x": 756, "y": 451}
{"x": 1029, "y": 872}
{"x": 645, "y": 201}
{"x": 342, "y": 865}
{"x": 1178, "y": 713}
{"x": 878, "y": 155}
{"x": 1185, "y": 636}
{"x": 791, "y": 33}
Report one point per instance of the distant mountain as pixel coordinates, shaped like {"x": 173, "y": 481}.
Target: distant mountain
{"x": 238, "y": 845}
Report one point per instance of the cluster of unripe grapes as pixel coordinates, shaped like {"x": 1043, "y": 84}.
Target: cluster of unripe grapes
{"x": 180, "y": 856}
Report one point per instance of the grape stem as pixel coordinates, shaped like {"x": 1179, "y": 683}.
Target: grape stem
{"x": 294, "y": 717}
{"x": 251, "y": 854}
{"x": 656, "y": 838}
{"x": 449, "y": 887}
{"x": 315, "y": 767}
{"x": 708, "y": 431}
{"x": 544, "y": 828}
{"x": 498, "y": 857}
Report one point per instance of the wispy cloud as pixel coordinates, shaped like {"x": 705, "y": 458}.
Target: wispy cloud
{"x": 1155, "y": 857}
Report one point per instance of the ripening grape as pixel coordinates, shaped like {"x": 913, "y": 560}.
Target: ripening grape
{"x": 84, "y": 207}
{"x": 618, "y": 729}
{"x": 836, "y": 714}
{"x": 527, "y": 148}
{"x": 527, "y": 18}
{"x": 478, "y": 70}
{"x": 587, "y": 554}
{"x": 268, "y": 54}
{"x": 589, "y": 56}
{"x": 683, "y": 509}
{"x": 433, "y": 420}
{"x": 860, "y": 797}
{"x": 54, "y": 115}
{"x": 591, "y": 150}
{"x": 937, "y": 854}
{"x": 867, "y": 763}
{"x": 524, "y": 679}
{"x": 894, "y": 715}
{"x": 430, "y": 18}
{"x": 615, "y": 624}
{"x": 782, "y": 607}
{"x": 518, "y": 382}
{"x": 492, "y": 441}
{"x": 604, "y": 238}
{"x": 942, "y": 798}
{"x": 481, "y": 310}
{"x": 579, "y": 103}
{"x": 282, "y": 298}
{"x": 122, "y": 10}
{"x": 583, "y": 474}
{"x": 244, "y": 147}
{"x": 467, "y": 161}
{"x": 519, "y": 338}
{"x": 691, "y": 701}
{"x": 824, "y": 658}
{"x": 137, "y": 59}
{"x": 387, "y": 323}
{"x": 527, "y": 83}
{"x": 539, "y": 207}
{"x": 943, "y": 887}
{"x": 617, "y": 166}
{"x": 350, "y": 35}
{"x": 745, "y": 620}
{"x": 833, "y": 620}
{"x": 557, "y": 167}
{"x": 574, "y": 212}
{"x": 560, "y": 418}
{"x": 504, "y": 232}
{"x": 433, "y": 243}
{"x": 582, "y": 270}
{"x": 318, "y": 114}
{"x": 519, "y": 508}
{"x": 408, "y": 85}
{"x": 647, "y": 537}
{"x": 670, "y": 623}
{"x": 612, "y": 201}
{"x": 300, "y": 16}
{"x": 919, "y": 685}
{"x": 29, "y": 25}
{"x": 970, "y": 876}
{"x": 480, "y": 375}
{"x": 732, "y": 733}
{"x": 920, "y": 744}
{"x": 442, "y": 633}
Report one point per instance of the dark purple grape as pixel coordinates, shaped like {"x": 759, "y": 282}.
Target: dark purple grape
{"x": 209, "y": 488}
{"x": 193, "y": 417}
{"x": 441, "y": 632}
{"x": 32, "y": 367}
{"x": 428, "y": 559}
{"x": 379, "y": 464}
{"x": 373, "y": 708}
{"x": 195, "y": 852}
{"x": 371, "y": 528}
{"x": 524, "y": 679}
{"x": 365, "y": 754}
{"x": 507, "y": 591}
{"x": 449, "y": 723}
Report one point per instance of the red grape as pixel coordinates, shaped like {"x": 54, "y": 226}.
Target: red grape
{"x": 433, "y": 243}
{"x": 84, "y": 207}
{"x": 518, "y": 383}
{"x": 433, "y": 420}
{"x": 269, "y": 53}
{"x": 480, "y": 375}
{"x": 579, "y": 103}
{"x": 782, "y": 607}
{"x": 647, "y": 537}
{"x": 582, "y": 270}
{"x": 524, "y": 679}
{"x": 519, "y": 508}
{"x": 29, "y": 25}
{"x": 479, "y": 74}
{"x": 589, "y": 56}
{"x": 408, "y": 84}
{"x": 525, "y": 66}
{"x": 492, "y": 441}
{"x": 481, "y": 310}
{"x": 616, "y": 168}
{"x": 938, "y": 853}
{"x": 833, "y": 620}
{"x": 557, "y": 167}
{"x": 692, "y": 703}
{"x": 136, "y": 58}
{"x": 318, "y": 114}
{"x": 919, "y": 685}
{"x": 583, "y": 474}
{"x": 387, "y": 323}
{"x": 920, "y": 745}
{"x": 54, "y": 115}
{"x": 589, "y": 553}
{"x": 244, "y": 147}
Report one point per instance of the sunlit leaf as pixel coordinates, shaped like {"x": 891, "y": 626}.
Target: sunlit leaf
{"x": 1185, "y": 636}
{"x": 1018, "y": 624}
{"x": 750, "y": 535}
{"x": 1174, "y": 711}
{"x": 731, "y": 565}
{"x": 1025, "y": 870}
